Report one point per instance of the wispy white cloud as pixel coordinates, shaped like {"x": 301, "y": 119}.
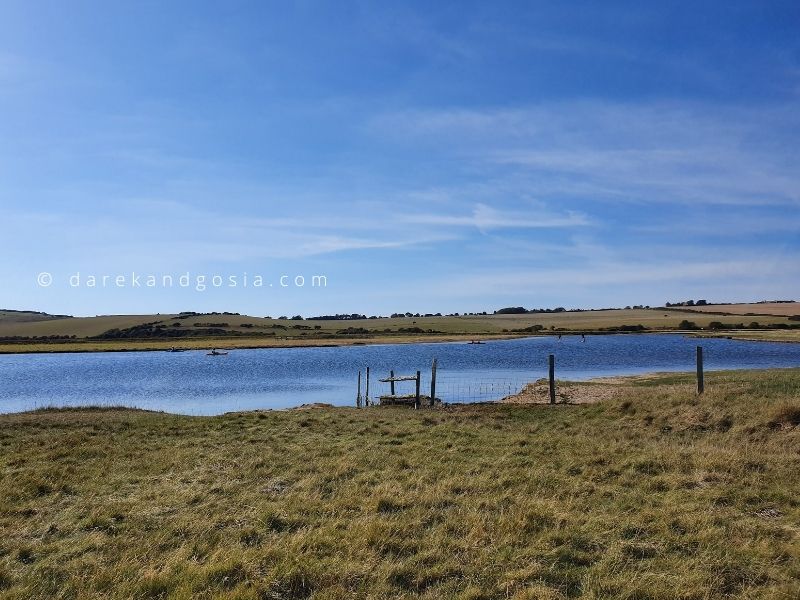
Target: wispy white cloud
{"x": 646, "y": 278}
{"x": 161, "y": 232}
{"x": 485, "y": 217}
{"x": 663, "y": 153}
{"x": 730, "y": 225}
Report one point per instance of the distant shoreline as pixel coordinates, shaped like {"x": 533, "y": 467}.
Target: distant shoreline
{"x": 25, "y": 333}
{"x": 202, "y": 345}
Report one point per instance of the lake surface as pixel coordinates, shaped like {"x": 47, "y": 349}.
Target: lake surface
{"x": 193, "y": 383}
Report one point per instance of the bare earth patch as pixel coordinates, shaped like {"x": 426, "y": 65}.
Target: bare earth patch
{"x": 567, "y": 392}
{"x": 580, "y": 392}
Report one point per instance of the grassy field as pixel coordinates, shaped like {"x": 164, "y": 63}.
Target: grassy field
{"x": 651, "y": 494}
{"x": 786, "y": 309}
{"x": 241, "y": 331}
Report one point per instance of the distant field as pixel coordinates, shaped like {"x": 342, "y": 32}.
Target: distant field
{"x": 78, "y": 326}
{"x": 786, "y": 309}
{"x": 248, "y": 331}
{"x": 14, "y": 316}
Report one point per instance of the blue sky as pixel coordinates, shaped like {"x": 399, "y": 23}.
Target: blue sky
{"x": 422, "y": 156}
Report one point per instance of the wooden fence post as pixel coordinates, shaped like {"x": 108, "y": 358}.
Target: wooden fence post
{"x": 700, "y": 378}
{"x": 358, "y": 397}
{"x": 433, "y": 382}
{"x": 416, "y": 400}
{"x": 552, "y": 378}
{"x": 366, "y": 396}
{"x": 391, "y": 383}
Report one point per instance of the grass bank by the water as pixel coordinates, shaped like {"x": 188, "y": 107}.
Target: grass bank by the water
{"x": 36, "y": 332}
{"x": 236, "y": 343}
{"x": 777, "y": 335}
{"x": 653, "y": 493}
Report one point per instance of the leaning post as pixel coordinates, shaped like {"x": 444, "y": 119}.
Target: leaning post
{"x": 358, "y": 396}
{"x": 366, "y": 395}
{"x": 416, "y": 400}
{"x": 552, "y": 378}
{"x": 701, "y": 386}
{"x": 433, "y": 382}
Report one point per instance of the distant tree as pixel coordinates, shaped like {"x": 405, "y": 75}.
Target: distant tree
{"x": 511, "y": 310}
{"x": 701, "y": 303}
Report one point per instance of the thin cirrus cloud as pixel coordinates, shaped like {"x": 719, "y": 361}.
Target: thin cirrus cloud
{"x": 657, "y": 153}
{"x": 769, "y": 275}
{"x": 235, "y": 237}
{"x": 203, "y": 235}
{"x": 484, "y": 218}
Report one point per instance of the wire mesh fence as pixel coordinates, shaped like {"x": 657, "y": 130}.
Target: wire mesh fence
{"x": 451, "y": 387}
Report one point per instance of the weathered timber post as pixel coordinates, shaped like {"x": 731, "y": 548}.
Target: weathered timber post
{"x": 700, "y": 378}
{"x": 366, "y": 396}
{"x": 391, "y": 383}
{"x": 433, "y": 383}
{"x": 358, "y": 397}
{"x": 552, "y": 378}
{"x": 416, "y": 400}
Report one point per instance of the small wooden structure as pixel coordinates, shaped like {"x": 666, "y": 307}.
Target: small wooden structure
{"x": 404, "y": 399}
{"x": 417, "y": 399}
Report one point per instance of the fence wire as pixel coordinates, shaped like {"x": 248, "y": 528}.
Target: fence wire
{"x": 452, "y": 387}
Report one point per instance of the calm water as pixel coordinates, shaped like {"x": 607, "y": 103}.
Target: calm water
{"x": 193, "y": 383}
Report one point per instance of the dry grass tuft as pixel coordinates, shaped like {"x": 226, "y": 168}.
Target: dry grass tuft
{"x": 787, "y": 415}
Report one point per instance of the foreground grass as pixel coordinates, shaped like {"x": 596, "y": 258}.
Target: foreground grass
{"x": 654, "y": 494}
